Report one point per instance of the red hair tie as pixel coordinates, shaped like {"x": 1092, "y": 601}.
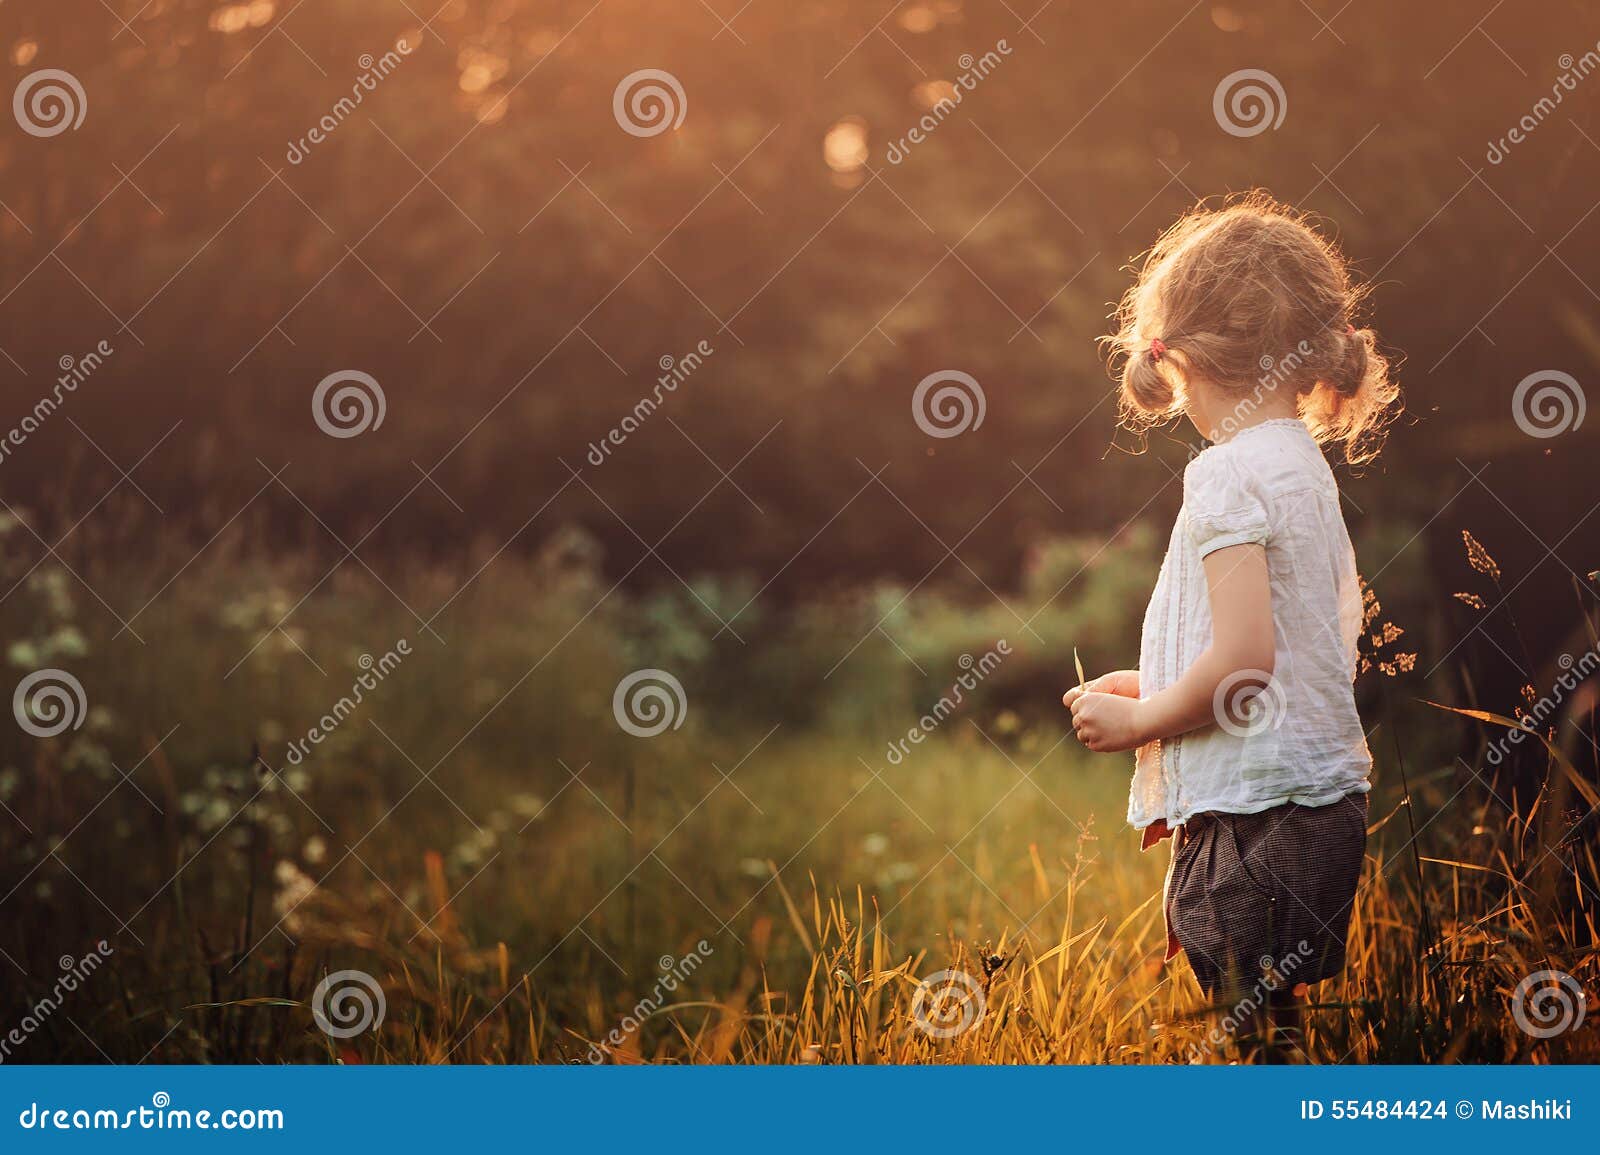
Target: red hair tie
{"x": 1157, "y": 347}
{"x": 1350, "y": 330}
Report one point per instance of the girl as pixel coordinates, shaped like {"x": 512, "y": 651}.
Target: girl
{"x": 1249, "y": 748}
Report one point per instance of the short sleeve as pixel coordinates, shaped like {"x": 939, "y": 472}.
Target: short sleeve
{"x": 1222, "y": 504}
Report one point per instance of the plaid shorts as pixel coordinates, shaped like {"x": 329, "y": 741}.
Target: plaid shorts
{"x": 1252, "y": 895}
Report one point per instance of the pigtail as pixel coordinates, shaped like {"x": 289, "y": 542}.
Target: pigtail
{"x": 1355, "y": 402}
{"x": 1147, "y": 396}
{"x": 1355, "y": 352}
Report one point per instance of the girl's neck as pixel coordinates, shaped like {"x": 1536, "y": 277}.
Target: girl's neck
{"x": 1229, "y": 430}
{"x": 1225, "y": 414}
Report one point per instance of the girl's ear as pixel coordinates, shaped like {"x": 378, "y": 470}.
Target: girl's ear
{"x": 1193, "y": 399}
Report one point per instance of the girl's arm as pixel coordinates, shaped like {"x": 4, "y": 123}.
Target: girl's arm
{"x": 1241, "y": 651}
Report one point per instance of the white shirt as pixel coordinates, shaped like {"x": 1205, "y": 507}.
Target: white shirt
{"x": 1300, "y": 740}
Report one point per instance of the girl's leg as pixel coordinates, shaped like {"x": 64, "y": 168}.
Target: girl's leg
{"x": 1285, "y": 1025}
{"x": 1276, "y": 1031}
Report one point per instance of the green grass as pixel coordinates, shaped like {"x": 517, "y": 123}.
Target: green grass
{"x": 511, "y": 867}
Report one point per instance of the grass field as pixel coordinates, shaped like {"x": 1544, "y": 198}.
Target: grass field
{"x": 524, "y": 881}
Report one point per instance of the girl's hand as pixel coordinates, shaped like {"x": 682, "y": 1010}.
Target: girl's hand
{"x": 1124, "y": 683}
{"x": 1106, "y": 723}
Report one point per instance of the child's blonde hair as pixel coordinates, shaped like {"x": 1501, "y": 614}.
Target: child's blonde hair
{"x": 1245, "y": 297}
